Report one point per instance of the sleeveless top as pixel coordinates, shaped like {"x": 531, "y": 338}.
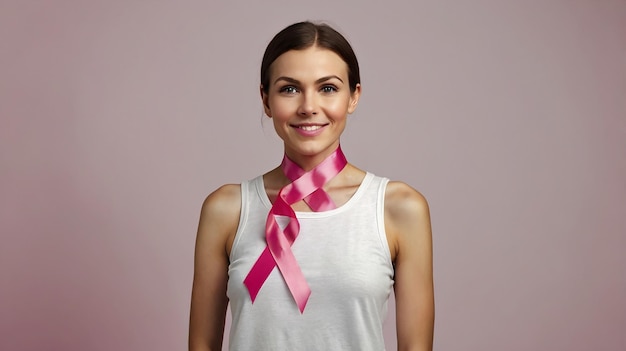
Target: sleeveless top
{"x": 345, "y": 259}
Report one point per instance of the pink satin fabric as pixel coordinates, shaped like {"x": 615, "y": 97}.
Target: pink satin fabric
{"x": 305, "y": 186}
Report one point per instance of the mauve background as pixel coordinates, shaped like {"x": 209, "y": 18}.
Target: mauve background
{"x": 119, "y": 117}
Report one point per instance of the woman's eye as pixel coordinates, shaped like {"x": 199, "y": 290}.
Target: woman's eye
{"x": 289, "y": 89}
{"x": 328, "y": 89}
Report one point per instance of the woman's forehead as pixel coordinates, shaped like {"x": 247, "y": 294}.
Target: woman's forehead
{"x": 313, "y": 62}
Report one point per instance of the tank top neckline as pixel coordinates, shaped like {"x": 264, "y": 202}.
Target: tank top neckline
{"x": 260, "y": 189}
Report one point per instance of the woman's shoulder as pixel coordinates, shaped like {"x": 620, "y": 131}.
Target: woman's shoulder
{"x": 219, "y": 217}
{"x": 404, "y": 204}
{"x": 223, "y": 204}
{"x": 407, "y": 218}
{"x": 399, "y": 192}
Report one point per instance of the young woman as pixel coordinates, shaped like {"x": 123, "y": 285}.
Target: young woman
{"x": 308, "y": 253}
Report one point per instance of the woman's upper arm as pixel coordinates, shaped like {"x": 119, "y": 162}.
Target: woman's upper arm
{"x": 407, "y": 221}
{"x": 218, "y": 223}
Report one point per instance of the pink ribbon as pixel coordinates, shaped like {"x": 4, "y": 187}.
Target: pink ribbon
{"x": 305, "y": 186}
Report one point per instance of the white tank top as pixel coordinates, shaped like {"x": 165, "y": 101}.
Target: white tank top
{"x": 344, "y": 256}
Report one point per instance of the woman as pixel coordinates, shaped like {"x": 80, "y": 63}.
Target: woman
{"x": 307, "y": 254}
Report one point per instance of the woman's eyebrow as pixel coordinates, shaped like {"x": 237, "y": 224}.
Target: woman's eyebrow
{"x": 323, "y": 79}
{"x": 287, "y": 79}
{"x": 295, "y": 81}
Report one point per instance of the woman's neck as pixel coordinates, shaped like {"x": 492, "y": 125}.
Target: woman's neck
{"x": 308, "y": 162}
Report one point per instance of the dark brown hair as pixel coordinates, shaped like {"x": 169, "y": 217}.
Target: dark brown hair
{"x": 303, "y": 35}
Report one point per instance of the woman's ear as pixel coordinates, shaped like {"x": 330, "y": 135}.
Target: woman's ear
{"x": 265, "y": 100}
{"x": 354, "y": 98}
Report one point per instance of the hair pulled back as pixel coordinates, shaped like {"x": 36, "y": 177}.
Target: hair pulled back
{"x": 303, "y": 35}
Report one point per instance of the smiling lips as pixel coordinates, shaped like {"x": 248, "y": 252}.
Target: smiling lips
{"x": 309, "y": 129}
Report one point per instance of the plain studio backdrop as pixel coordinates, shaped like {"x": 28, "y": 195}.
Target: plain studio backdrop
{"x": 119, "y": 117}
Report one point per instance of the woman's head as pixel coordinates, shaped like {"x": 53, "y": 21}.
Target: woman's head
{"x": 302, "y": 35}
{"x": 309, "y": 86}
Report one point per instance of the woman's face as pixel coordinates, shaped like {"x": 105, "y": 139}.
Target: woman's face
{"x": 308, "y": 100}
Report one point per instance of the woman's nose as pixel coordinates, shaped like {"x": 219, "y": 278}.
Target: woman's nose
{"x": 308, "y": 105}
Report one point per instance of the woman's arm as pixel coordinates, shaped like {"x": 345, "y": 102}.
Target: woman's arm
{"x": 407, "y": 222}
{"x": 218, "y": 223}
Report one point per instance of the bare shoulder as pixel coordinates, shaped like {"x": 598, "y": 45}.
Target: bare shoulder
{"x": 220, "y": 215}
{"x": 407, "y": 216}
{"x": 224, "y": 201}
{"x": 404, "y": 203}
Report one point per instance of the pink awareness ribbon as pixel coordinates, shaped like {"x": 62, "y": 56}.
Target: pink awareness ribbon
{"x": 305, "y": 186}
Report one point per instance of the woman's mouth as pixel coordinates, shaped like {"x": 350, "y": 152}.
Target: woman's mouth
{"x": 309, "y": 129}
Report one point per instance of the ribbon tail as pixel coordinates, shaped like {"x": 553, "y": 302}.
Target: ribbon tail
{"x": 259, "y": 273}
{"x": 279, "y": 245}
{"x": 292, "y": 274}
